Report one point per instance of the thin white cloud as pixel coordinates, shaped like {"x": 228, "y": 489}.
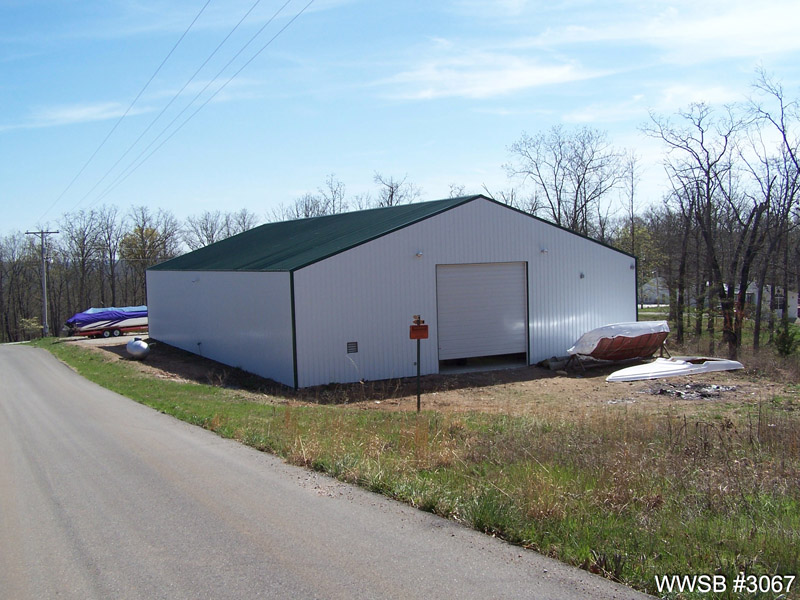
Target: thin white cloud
{"x": 679, "y": 95}
{"x": 478, "y": 74}
{"x": 609, "y": 113}
{"x": 686, "y": 32}
{"x": 726, "y": 31}
{"x": 574, "y": 35}
{"x": 102, "y": 20}
{"x": 666, "y": 99}
{"x": 495, "y": 9}
{"x": 87, "y": 112}
{"x": 55, "y": 116}
{"x": 78, "y": 113}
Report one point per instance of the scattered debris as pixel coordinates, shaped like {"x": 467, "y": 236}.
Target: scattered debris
{"x": 689, "y": 391}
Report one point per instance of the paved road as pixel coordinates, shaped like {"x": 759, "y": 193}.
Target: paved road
{"x": 101, "y": 497}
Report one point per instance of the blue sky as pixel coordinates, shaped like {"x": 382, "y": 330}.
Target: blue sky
{"x": 435, "y": 90}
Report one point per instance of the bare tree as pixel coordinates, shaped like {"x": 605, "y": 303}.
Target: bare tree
{"x": 152, "y": 238}
{"x": 80, "y": 237}
{"x": 777, "y": 174}
{"x": 684, "y": 198}
{"x": 631, "y": 174}
{"x": 363, "y": 201}
{"x": 392, "y": 192}
{"x": 304, "y": 207}
{"x": 701, "y": 152}
{"x": 211, "y": 227}
{"x": 571, "y": 173}
{"x": 330, "y": 199}
{"x": 332, "y": 196}
{"x": 511, "y": 197}
{"x": 456, "y": 190}
{"x": 239, "y": 222}
{"x": 19, "y": 283}
{"x": 109, "y": 237}
{"x": 204, "y": 230}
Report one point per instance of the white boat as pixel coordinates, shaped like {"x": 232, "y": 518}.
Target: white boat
{"x": 672, "y": 367}
{"x": 108, "y": 321}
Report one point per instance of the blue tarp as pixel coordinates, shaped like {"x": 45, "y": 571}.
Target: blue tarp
{"x": 113, "y": 314}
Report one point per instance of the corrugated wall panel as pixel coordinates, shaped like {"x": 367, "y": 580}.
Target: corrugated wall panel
{"x": 240, "y": 319}
{"x": 369, "y": 293}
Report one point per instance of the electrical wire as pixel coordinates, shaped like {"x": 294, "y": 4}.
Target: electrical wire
{"x": 134, "y": 165}
{"x": 174, "y": 98}
{"x": 130, "y": 107}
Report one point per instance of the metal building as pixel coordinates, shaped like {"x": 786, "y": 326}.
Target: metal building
{"x": 330, "y": 299}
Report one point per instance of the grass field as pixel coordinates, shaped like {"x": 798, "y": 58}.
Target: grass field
{"x": 627, "y": 493}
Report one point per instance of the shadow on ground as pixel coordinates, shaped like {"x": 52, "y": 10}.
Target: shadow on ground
{"x": 177, "y": 364}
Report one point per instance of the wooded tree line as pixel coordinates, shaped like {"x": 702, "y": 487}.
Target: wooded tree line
{"x": 98, "y": 257}
{"x": 725, "y": 232}
{"x": 728, "y": 223}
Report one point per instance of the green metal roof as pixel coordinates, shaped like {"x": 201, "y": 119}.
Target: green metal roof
{"x": 291, "y": 245}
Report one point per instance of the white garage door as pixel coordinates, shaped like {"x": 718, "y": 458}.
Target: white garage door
{"x": 482, "y": 309}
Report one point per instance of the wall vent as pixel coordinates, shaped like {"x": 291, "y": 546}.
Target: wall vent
{"x": 352, "y": 347}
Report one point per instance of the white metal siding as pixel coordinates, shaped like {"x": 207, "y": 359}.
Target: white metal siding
{"x": 368, "y": 294}
{"x": 240, "y": 319}
{"x": 481, "y": 309}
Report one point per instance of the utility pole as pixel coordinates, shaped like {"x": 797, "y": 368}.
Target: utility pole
{"x": 42, "y": 234}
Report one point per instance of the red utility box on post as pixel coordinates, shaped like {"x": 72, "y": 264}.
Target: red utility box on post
{"x": 418, "y": 331}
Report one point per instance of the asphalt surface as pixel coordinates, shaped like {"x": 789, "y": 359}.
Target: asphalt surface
{"x": 101, "y": 497}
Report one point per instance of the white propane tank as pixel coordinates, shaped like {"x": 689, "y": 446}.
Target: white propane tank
{"x": 137, "y": 348}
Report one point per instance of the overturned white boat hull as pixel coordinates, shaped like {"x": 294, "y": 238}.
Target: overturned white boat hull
{"x": 622, "y": 341}
{"x": 672, "y": 367}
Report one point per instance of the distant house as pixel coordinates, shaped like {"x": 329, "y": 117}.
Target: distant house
{"x": 780, "y": 299}
{"x": 654, "y": 291}
{"x": 330, "y": 299}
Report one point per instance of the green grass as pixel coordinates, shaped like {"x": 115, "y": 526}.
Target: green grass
{"x": 620, "y": 493}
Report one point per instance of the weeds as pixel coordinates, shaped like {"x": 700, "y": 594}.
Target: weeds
{"x": 787, "y": 340}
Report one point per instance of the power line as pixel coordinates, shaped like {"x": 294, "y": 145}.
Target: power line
{"x": 133, "y": 166}
{"x": 135, "y": 100}
{"x": 174, "y": 98}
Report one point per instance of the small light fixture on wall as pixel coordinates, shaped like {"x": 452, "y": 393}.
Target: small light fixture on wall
{"x": 582, "y": 276}
{"x": 544, "y": 251}
{"x": 419, "y": 254}
{"x": 633, "y": 266}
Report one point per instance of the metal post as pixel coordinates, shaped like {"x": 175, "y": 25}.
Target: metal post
{"x": 418, "y": 331}
{"x": 418, "y": 376}
{"x": 41, "y": 234}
